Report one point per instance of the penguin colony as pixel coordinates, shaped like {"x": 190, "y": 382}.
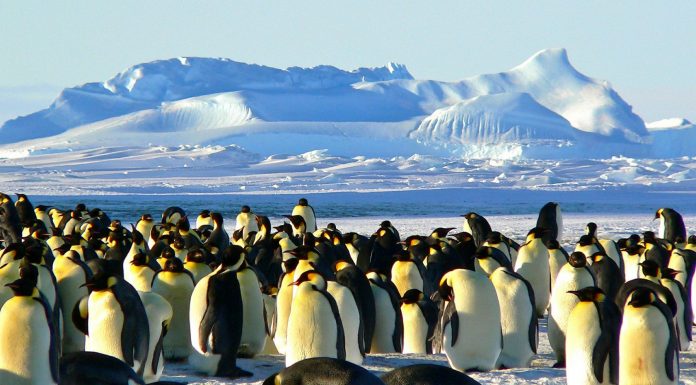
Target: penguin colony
{"x": 87, "y": 300}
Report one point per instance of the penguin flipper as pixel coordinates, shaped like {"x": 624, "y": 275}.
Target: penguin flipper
{"x": 80, "y": 315}
{"x": 340, "y": 333}
{"x": 450, "y": 317}
{"x": 157, "y": 353}
{"x": 135, "y": 332}
{"x": 600, "y": 353}
{"x": 53, "y": 350}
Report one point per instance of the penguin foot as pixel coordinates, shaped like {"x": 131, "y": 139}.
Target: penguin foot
{"x": 234, "y": 373}
{"x": 559, "y": 365}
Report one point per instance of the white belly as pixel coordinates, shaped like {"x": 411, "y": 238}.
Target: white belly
{"x": 105, "y": 324}
{"x": 283, "y": 305}
{"x": 580, "y": 343}
{"x": 25, "y": 343}
{"x": 562, "y": 303}
{"x": 385, "y": 321}
{"x": 405, "y": 276}
{"x": 644, "y": 366}
{"x": 533, "y": 264}
{"x": 177, "y": 290}
{"x": 253, "y": 326}
{"x": 158, "y": 310}
{"x": 350, "y": 317}
{"x": 516, "y": 313}
{"x": 311, "y": 327}
{"x": 415, "y": 329}
{"x": 69, "y": 282}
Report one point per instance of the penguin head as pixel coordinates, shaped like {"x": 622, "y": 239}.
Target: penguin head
{"x": 217, "y": 219}
{"x": 245, "y": 209}
{"x": 28, "y": 278}
{"x": 183, "y": 226}
{"x": 102, "y": 277}
{"x": 139, "y": 259}
{"x": 80, "y": 207}
{"x": 463, "y": 237}
{"x": 312, "y": 276}
{"x": 21, "y": 198}
{"x": 669, "y": 273}
{"x": 642, "y": 297}
{"x": 196, "y": 256}
{"x": 4, "y": 198}
{"x": 303, "y": 202}
{"x": 14, "y": 251}
{"x": 270, "y": 290}
{"x": 402, "y": 256}
{"x": 297, "y": 222}
{"x": 586, "y": 240}
{"x": 341, "y": 264}
{"x": 470, "y": 216}
{"x": 650, "y": 268}
{"x": 577, "y": 259}
{"x": 62, "y": 249}
{"x": 412, "y": 296}
{"x": 658, "y": 213}
{"x": 445, "y": 289}
{"x": 591, "y": 229}
{"x": 174, "y": 265}
{"x": 441, "y": 232}
{"x": 536, "y": 233}
{"x": 168, "y": 253}
{"x": 692, "y": 240}
{"x": 232, "y": 257}
{"x": 33, "y": 253}
{"x": 204, "y": 214}
{"x": 303, "y": 252}
{"x": 553, "y": 244}
{"x": 598, "y": 257}
{"x": 137, "y": 237}
{"x": 589, "y": 294}
{"x": 332, "y": 226}
{"x": 494, "y": 238}
{"x": 649, "y": 237}
{"x": 179, "y": 243}
{"x": 146, "y": 218}
{"x": 483, "y": 252}
{"x": 289, "y": 265}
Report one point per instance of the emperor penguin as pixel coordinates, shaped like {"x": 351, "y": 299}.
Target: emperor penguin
{"x": 113, "y": 318}
{"x": 588, "y": 245}
{"x": 592, "y": 341}
{"x": 647, "y": 323}
{"x": 175, "y": 284}
{"x": 389, "y": 325}
{"x": 10, "y": 227}
{"x": 477, "y": 226}
{"x": 172, "y": 215}
{"x": 551, "y": 220}
{"x": 518, "y": 318}
{"x": 651, "y": 281}
{"x": 427, "y": 374}
{"x": 349, "y": 314}
{"x": 313, "y": 313}
{"x": 608, "y": 246}
{"x": 574, "y": 275}
{"x": 306, "y": 211}
{"x": 284, "y": 303}
{"x": 145, "y": 224}
{"x": 488, "y": 259}
{"x": 25, "y": 210}
{"x": 355, "y": 280}
{"x": 470, "y": 331}
{"x": 632, "y": 255}
{"x": 671, "y": 225}
{"x": 203, "y": 219}
{"x": 71, "y": 276}
{"x": 557, "y": 258}
{"x": 246, "y": 220}
{"x": 215, "y": 317}
{"x": 497, "y": 240}
{"x": 420, "y": 318}
{"x": 159, "y": 314}
{"x": 533, "y": 264}
{"x": 218, "y": 237}
{"x": 139, "y": 273}
{"x": 683, "y": 318}
{"x": 41, "y": 213}
{"x": 29, "y": 351}
{"x": 253, "y": 329}
{"x": 607, "y": 273}
{"x": 325, "y": 371}
{"x": 683, "y": 262}
{"x": 407, "y": 273}
{"x": 195, "y": 263}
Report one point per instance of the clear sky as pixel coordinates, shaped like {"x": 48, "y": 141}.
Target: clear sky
{"x": 646, "y": 49}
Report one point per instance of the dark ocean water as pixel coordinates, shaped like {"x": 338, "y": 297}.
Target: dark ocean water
{"x": 446, "y": 202}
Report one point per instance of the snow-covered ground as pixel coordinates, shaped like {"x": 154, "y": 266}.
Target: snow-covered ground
{"x": 610, "y": 226}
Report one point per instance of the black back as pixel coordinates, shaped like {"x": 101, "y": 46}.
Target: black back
{"x": 427, "y": 374}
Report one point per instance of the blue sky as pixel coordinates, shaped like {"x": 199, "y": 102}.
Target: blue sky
{"x": 645, "y": 49}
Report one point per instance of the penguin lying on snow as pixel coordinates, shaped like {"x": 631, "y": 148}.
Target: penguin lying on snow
{"x": 323, "y": 371}
{"x": 427, "y": 374}
{"x": 93, "y": 368}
